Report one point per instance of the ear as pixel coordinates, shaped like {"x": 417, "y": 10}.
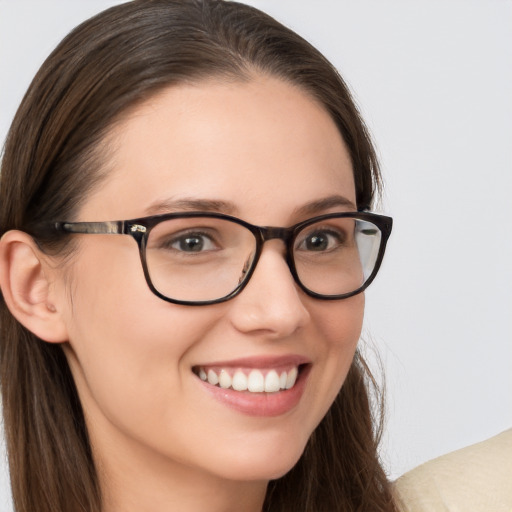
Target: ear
{"x": 26, "y": 287}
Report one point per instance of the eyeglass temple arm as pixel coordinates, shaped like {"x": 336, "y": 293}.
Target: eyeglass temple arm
{"x": 107, "y": 228}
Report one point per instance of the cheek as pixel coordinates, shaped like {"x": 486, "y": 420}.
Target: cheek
{"x": 126, "y": 345}
{"x": 340, "y": 324}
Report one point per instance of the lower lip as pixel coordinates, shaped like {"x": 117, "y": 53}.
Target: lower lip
{"x": 261, "y": 404}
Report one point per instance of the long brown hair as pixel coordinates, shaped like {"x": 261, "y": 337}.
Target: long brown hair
{"x": 53, "y": 159}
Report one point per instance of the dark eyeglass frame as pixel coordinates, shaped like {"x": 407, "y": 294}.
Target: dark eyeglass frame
{"x": 140, "y": 228}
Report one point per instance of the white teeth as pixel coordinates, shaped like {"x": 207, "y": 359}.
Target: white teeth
{"x": 272, "y": 382}
{"x": 255, "y": 382}
{"x": 239, "y": 382}
{"x": 282, "y": 380}
{"x": 224, "y": 379}
{"x": 213, "y": 379}
{"x": 291, "y": 378}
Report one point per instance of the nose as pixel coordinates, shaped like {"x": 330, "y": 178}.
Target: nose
{"x": 271, "y": 304}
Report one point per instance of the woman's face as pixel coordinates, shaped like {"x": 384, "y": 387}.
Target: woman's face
{"x": 267, "y": 153}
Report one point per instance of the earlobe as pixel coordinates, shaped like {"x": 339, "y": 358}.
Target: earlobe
{"x": 26, "y": 287}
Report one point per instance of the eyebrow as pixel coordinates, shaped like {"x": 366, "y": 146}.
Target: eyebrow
{"x": 215, "y": 205}
{"x": 318, "y": 206}
{"x": 192, "y": 204}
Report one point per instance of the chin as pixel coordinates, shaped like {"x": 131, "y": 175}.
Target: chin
{"x": 266, "y": 464}
{"x": 272, "y": 471}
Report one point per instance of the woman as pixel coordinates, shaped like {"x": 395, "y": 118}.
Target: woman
{"x": 214, "y": 365}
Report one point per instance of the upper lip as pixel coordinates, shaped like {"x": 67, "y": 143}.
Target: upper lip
{"x": 265, "y": 361}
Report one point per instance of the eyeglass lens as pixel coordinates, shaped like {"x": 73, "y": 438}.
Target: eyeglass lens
{"x": 205, "y": 258}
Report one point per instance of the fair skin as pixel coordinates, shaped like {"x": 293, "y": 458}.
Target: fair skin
{"x": 161, "y": 438}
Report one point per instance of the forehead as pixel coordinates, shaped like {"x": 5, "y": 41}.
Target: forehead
{"x": 253, "y": 143}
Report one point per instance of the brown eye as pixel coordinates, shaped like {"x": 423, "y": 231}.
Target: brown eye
{"x": 190, "y": 243}
{"x": 321, "y": 240}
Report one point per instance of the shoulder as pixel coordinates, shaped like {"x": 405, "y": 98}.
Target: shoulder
{"x": 477, "y": 478}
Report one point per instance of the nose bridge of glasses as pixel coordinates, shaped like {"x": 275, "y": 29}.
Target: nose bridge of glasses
{"x": 273, "y": 233}
{"x": 269, "y": 233}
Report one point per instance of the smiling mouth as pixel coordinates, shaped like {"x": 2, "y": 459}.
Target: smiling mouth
{"x": 250, "y": 380}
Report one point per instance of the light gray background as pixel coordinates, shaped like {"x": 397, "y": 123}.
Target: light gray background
{"x": 433, "y": 79}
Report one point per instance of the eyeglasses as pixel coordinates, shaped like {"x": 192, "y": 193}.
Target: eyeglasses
{"x": 197, "y": 258}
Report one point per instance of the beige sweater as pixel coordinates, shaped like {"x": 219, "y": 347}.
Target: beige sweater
{"x": 475, "y": 479}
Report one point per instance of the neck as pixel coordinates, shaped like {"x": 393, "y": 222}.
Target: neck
{"x": 138, "y": 494}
